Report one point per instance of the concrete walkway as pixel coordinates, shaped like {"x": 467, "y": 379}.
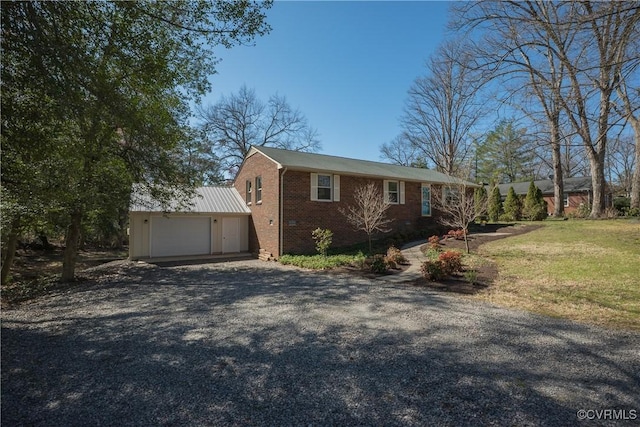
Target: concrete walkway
{"x": 412, "y": 253}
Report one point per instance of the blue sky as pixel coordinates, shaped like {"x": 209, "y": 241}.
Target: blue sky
{"x": 346, "y": 65}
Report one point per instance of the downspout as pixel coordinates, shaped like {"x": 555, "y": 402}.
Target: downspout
{"x": 281, "y": 219}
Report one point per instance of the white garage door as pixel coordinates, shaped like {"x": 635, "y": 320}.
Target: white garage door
{"x": 177, "y": 236}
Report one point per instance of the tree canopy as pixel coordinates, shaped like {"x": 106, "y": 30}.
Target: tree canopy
{"x": 95, "y": 97}
{"x": 241, "y": 120}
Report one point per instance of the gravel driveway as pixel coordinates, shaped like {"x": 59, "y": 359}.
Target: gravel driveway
{"x": 249, "y": 343}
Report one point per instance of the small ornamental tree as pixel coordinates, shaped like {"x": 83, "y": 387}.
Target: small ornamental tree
{"x": 495, "y": 204}
{"x": 535, "y": 208}
{"x": 369, "y": 213}
{"x": 458, "y": 208}
{"x": 512, "y": 206}
{"x": 323, "y": 238}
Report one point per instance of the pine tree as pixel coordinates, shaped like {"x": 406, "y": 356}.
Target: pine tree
{"x": 495, "y": 204}
{"x": 535, "y": 208}
{"x": 480, "y": 201}
{"x": 512, "y": 206}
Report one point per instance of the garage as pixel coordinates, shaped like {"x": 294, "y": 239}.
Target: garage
{"x": 180, "y": 236}
{"x": 215, "y": 222}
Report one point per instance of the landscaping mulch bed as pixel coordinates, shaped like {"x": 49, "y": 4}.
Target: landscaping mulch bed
{"x": 488, "y": 271}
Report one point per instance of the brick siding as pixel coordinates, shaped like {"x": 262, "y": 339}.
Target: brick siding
{"x": 575, "y": 200}
{"x": 264, "y": 220}
{"x": 301, "y": 215}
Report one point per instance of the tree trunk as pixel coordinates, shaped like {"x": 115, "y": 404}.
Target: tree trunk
{"x": 72, "y": 240}
{"x": 598, "y": 186}
{"x": 9, "y": 251}
{"x": 635, "y": 182}
{"x": 558, "y": 181}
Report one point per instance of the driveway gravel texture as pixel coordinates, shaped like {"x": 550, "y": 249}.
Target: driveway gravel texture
{"x": 249, "y": 343}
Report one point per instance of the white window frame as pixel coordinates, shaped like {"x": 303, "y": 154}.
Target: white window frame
{"x": 248, "y": 190}
{"x": 399, "y": 192}
{"x": 258, "y": 190}
{"x": 422, "y": 188}
{"x": 334, "y": 187}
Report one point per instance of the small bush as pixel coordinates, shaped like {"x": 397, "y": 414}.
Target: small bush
{"x": 433, "y": 270}
{"x": 323, "y": 239}
{"x": 378, "y": 264}
{"x": 457, "y": 234}
{"x": 633, "y": 212}
{"x": 434, "y": 243}
{"x": 583, "y": 211}
{"x": 432, "y": 254}
{"x": 471, "y": 276}
{"x": 394, "y": 255}
{"x": 451, "y": 262}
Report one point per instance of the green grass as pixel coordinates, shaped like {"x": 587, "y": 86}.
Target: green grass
{"x": 584, "y": 270}
{"x": 319, "y": 262}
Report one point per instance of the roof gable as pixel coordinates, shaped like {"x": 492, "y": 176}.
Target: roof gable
{"x": 298, "y": 160}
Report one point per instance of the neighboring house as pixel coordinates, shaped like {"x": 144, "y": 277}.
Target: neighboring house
{"x": 577, "y": 192}
{"x": 217, "y": 222}
{"x": 291, "y": 193}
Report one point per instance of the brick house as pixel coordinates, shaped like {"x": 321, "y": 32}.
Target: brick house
{"x": 577, "y": 192}
{"x": 291, "y": 193}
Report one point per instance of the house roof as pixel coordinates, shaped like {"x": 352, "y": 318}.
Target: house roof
{"x": 571, "y": 185}
{"x": 225, "y": 200}
{"x": 298, "y": 160}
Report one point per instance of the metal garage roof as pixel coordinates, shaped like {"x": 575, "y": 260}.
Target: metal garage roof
{"x": 206, "y": 200}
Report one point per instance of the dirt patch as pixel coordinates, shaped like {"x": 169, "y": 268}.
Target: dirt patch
{"x": 36, "y": 272}
{"x": 484, "y": 234}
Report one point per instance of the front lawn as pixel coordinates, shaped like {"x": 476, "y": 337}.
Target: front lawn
{"x": 583, "y": 270}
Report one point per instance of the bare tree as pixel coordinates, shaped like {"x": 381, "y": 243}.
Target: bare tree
{"x": 401, "y": 152}
{"x": 621, "y": 163}
{"x": 442, "y": 109}
{"x": 629, "y": 97}
{"x": 369, "y": 213}
{"x": 240, "y": 121}
{"x": 522, "y": 59}
{"x": 459, "y": 208}
{"x": 585, "y": 45}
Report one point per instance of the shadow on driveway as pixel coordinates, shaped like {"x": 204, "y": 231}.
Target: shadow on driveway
{"x": 225, "y": 345}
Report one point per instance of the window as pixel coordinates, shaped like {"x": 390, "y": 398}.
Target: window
{"x": 325, "y": 187}
{"x": 451, "y": 195}
{"x": 426, "y": 200}
{"x": 394, "y": 192}
{"x": 248, "y": 192}
{"x": 258, "y": 189}
{"x": 565, "y": 197}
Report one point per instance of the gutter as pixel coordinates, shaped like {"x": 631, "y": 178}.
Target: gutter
{"x": 281, "y": 219}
